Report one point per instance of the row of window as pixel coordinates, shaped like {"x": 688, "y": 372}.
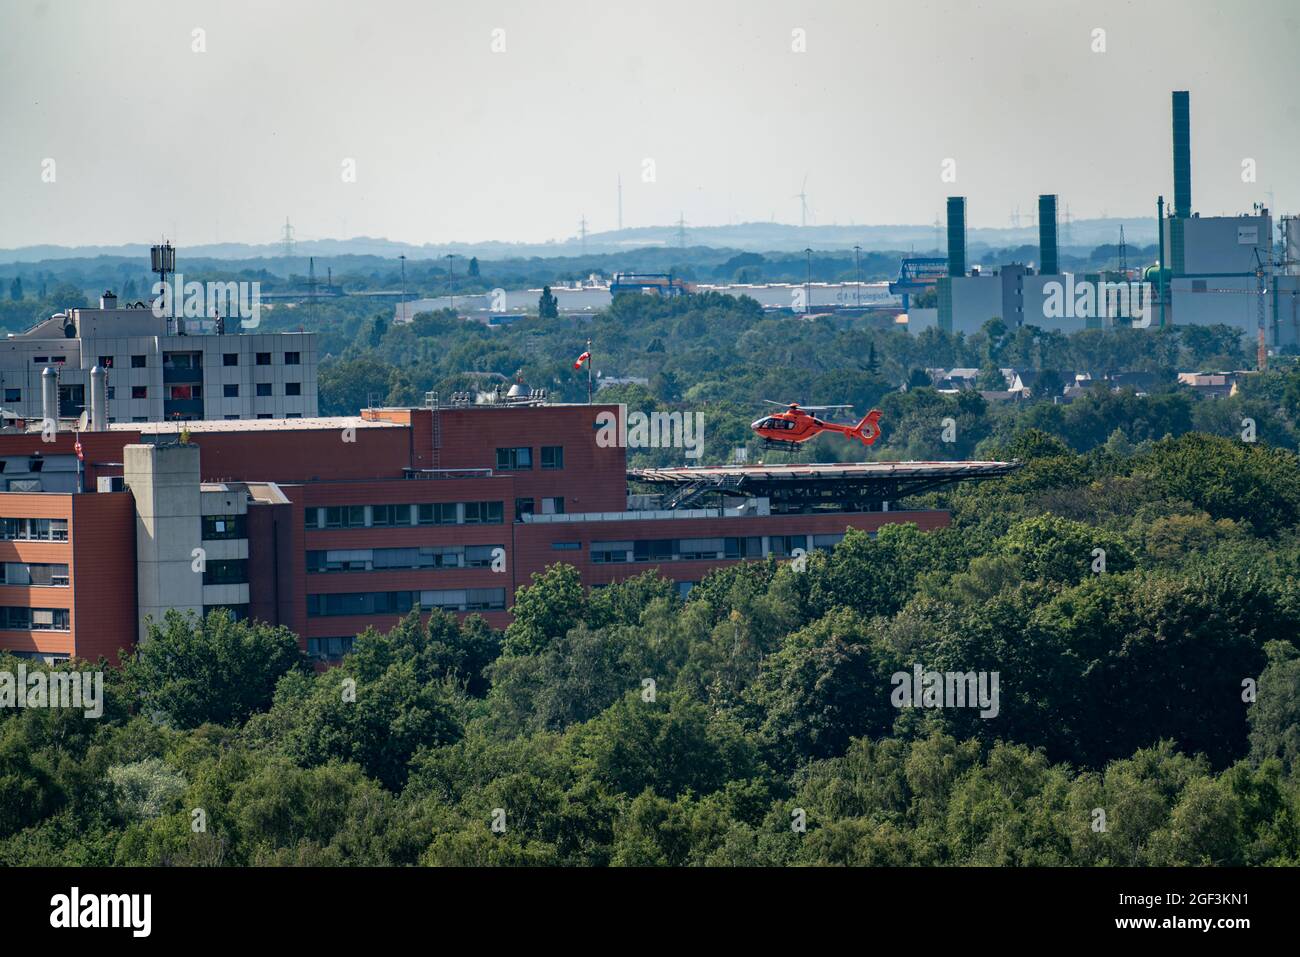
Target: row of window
{"x": 373, "y": 559}
{"x": 187, "y": 360}
{"x": 186, "y": 392}
{"x": 521, "y": 459}
{"x": 401, "y": 602}
{"x": 705, "y": 549}
{"x": 34, "y": 529}
{"x": 389, "y": 516}
{"x": 33, "y": 619}
{"x": 180, "y": 360}
{"x": 32, "y": 573}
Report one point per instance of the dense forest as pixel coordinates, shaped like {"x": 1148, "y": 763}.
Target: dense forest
{"x": 1149, "y": 704}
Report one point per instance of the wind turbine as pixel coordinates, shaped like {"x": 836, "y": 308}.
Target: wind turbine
{"x": 802, "y": 196}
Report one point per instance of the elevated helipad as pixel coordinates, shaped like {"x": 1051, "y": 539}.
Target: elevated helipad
{"x": 865, "y": 486}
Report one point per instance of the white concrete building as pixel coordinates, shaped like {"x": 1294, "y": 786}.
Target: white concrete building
{"x": 158, "y": 369}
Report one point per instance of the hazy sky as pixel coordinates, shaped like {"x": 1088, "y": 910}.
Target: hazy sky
{"x": 453, "y": 141}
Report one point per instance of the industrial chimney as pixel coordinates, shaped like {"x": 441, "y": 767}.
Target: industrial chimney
{"x": 1182, "y": 155}
{"x": 50, "y": 397}
{"x": 1048, "y": 261}
{"x": 98, "y": 399}
{"x": 956, "y": 236}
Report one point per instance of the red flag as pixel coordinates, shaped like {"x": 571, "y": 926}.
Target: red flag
{"x": 77, "y": 448}
{"x": 585, "y": 357}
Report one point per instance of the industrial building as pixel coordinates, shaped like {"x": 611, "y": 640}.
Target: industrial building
{"x": 332, "y": 525}
{"x": 1214, "y": 270}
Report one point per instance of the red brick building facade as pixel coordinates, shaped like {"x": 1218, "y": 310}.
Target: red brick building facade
{"x": 350, "y": 522}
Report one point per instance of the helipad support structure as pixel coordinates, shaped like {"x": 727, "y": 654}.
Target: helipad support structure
{"x": 860, "y": 486}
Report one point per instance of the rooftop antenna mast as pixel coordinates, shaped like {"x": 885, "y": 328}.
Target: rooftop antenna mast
{"x": 162, "y": 259}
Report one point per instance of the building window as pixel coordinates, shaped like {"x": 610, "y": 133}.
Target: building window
{"x": 138, "y": 362}
{"x": 391, "y": 515}
{"x": 263, "y": 389}
{"x": 293, "y": 388}
{"x": 610, "y": 553}
{"x": 782, "y": 546}
{"x": 484, "y": 513}
{"x": 220, "y": 527}
{"x": 38, "y": 575}
{"x": 481, "y": 556}
{"x": 265, "y": 415}
{"x": 139, "y": 392}
{"x": 233, "y": 571}
{"x": 263, "y": 358}
{"x": 523, "y": 506}
{"x": 34, "y": 529}
{"x": 514, "y": 460}
{"x": 750, "y": 547}
{"x": 553, "y": 506}
{"x": 230, "y": 391}
{"x": 230, "y": 358}
{"x": 437, "y": 513}
{"x": 34, "y": 619}
{"x": 329, "y": 649}
{"x": 291, "y": 358}
{"x": 653, "y": 550}
{"x": 566, "y": 546}
{"x": 344, "y": 516}
{"x": 106, "y": 362}
{"x": 552, "y": 456}
{"x": 13, "y": 395}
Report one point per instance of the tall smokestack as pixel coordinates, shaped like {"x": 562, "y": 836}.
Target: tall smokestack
{"x": 98, "y": 400}
{"x": 1048, "y": 260}
{"x": 956, "y": 235}
{"x": 50, "y": 398}
{"x": 1182, "y": 155}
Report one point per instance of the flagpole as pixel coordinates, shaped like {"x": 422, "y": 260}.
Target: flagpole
{"x": 589, "y": 373}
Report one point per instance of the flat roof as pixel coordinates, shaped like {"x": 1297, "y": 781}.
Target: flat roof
{"x": 254, "y": 425}
{"x": 839, "y": 471}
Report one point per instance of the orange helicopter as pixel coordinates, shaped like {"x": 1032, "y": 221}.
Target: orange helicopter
{"x": 795, "y": 425}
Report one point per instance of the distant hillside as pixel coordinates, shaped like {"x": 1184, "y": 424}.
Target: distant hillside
{"x": 743, "y": 237}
